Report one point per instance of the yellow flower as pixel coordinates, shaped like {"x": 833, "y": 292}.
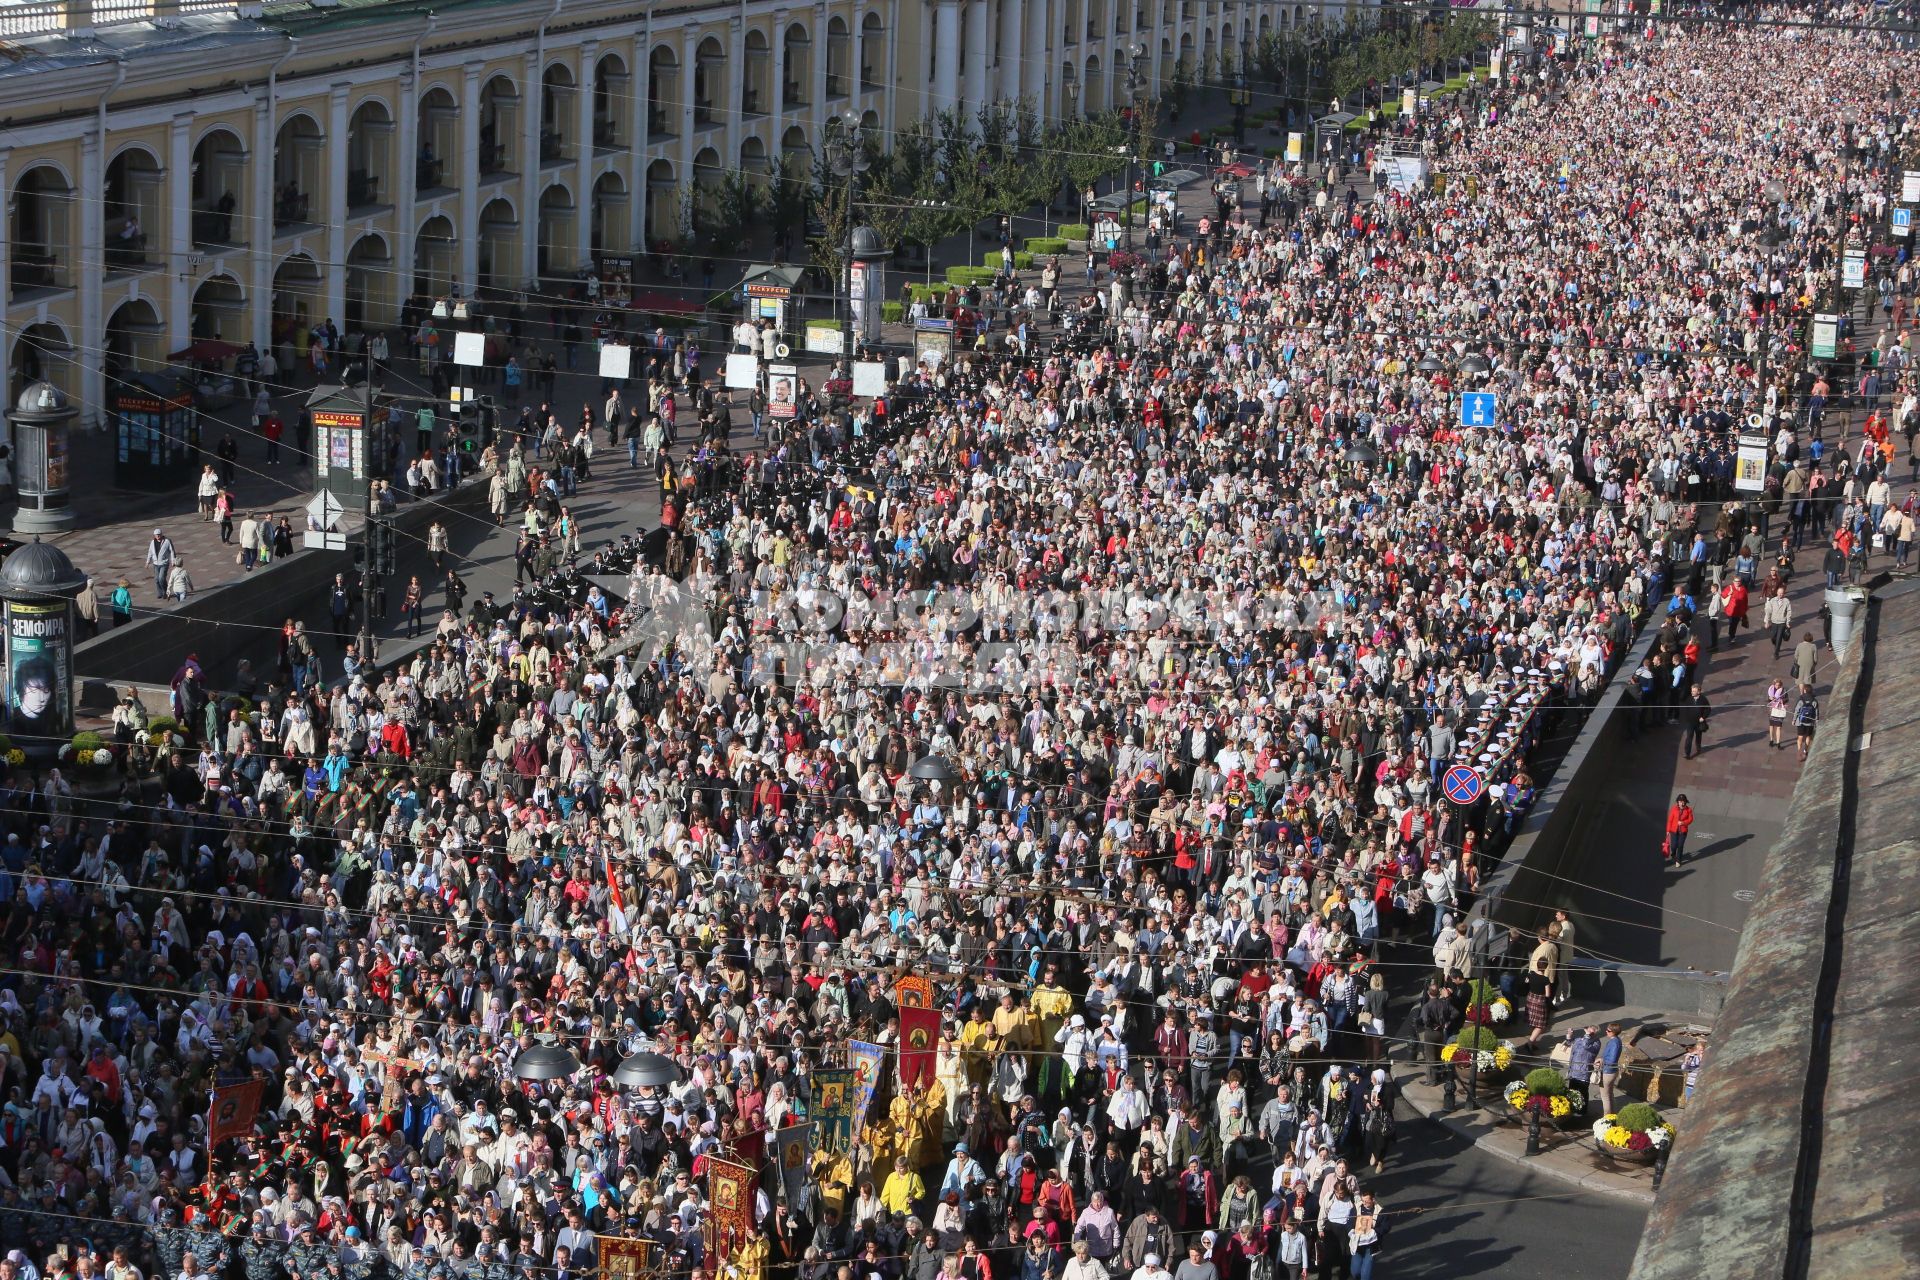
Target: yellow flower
{"x": 1503, "y": 1057}
{"x": 1561, "y": 1106}
{"x": 1618, "y": 1137}
{"x": 1446, "y": 1051}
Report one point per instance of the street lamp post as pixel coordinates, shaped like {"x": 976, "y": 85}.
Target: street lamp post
{"x": 1136, "y": 98}
{"x": 1241, "y": 97}
{"x": 845, "y": 144}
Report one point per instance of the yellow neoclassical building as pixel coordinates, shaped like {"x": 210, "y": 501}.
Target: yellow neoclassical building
{"x": 177, "y": 170}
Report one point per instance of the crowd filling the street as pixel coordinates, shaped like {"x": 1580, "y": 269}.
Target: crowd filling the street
{"x": 1011, "y": 827}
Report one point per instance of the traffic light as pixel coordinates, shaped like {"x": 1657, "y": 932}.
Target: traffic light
{"x": 467, "y": 408}
{"x": 382, "y": 545}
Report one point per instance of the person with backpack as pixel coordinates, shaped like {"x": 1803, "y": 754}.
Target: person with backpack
{"x": 1806, "y": 714}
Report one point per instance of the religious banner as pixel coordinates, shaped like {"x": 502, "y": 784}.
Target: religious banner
{"x": 832, "y": 1109}
{"x": 730, "y": 1193}
{"x": 232, "y": 1113}
{"x": 867, "y": 1060}
{"x": 795, "y": 1146}
{"x": 624, "y": 1258}
{"x": 919, "y": 1033}
{"x": 915, "y": 991}
{"x": 750, "y": 1148}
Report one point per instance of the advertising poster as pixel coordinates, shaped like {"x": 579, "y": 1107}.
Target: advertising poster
{"x": 39, "y": 671}
{"x": 933, "y": 342}
{"x": 859, "y": 277}
{"x": 783, "y": 390}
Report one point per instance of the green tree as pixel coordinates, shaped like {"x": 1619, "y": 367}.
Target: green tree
{"x": 788, "y": 195}
{"x": 727, "y": 218}
{"x": 1179, "y": 88}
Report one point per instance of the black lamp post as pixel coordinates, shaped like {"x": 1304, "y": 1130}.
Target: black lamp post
{"x": 845, "y": 144}
{"x": 1137, "y": 98}
{"x": 1070, "y": 85}
{"x": 1241, "y": 97}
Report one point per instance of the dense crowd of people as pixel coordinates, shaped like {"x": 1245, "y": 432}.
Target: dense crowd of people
{"x": 1109, "y": 687}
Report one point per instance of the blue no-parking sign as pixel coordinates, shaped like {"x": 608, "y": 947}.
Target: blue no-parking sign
{"x": 1479, "y": 409}
{"x": 1463, "y": 785}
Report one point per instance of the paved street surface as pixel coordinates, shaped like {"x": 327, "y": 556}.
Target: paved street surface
{"x": 1456, "y": 1211}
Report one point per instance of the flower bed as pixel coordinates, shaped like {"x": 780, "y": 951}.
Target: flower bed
{"x": 1636, "y": 1130}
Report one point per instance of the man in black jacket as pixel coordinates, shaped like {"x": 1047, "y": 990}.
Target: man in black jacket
{"x": 1432, "y": 1019}
{"x": 1696, "y": 715}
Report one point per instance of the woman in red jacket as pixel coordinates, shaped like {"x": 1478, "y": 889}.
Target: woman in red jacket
{"x": 1679, "y": 822}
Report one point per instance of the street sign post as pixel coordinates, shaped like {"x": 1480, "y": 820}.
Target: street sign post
{"x": 1903, "y": 222}
{"x": 1853, "y": 269}
{"x": 323, "y": 520}
{"x": 1479, "y": 409}
{"x": 1910, "y": 186}
{"x": 1826, "y": 336}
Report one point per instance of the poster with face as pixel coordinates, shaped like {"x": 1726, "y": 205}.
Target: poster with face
{"x": 39, "y": 676}
{"x": 783, "y": 390}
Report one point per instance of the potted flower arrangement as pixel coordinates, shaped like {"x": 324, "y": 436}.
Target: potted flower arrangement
{"x": 1544, "y": 1090}
{"x": 1478, "y": 1045}
{"x": 1635, "y": 1130}
{"x": 88, "y": 751}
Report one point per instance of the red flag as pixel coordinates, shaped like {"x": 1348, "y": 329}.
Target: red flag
{"x": 616, "y": 901}
{"x": 232, "y": 1113}
{"x": 919, "y": 1033}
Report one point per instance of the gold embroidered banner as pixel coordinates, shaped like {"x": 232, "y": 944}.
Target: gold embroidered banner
{"x": 730, "y": 1191}
{"x": 624, "y": 1258}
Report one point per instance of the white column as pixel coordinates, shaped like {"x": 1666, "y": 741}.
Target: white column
{"x": 946, "y": 62}
{"x": 640, "y": 85}
{"x": 583, "y": 160}
{"x": 735, "y": 107}
{"x": 976, "y": 59}
{"x": 179, "y": 311}
{"x": 336, "y": 158}
{"x": 1013, "y": 24}
{"x": 1037, "y": 60}
{"x": 1150, "y": 41}
{"x": 90, "y": 248}
{"x": 889, "y": 71}
{"x": 533, "y": 94}
{"x": 683, "y": 168}
{"x": 405, "y": 218}
{"x": 817, "y": 96}
{"x": 6, "y": 291}
{"x": 257, "y": 214}
{"x": 468, "y": 233}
